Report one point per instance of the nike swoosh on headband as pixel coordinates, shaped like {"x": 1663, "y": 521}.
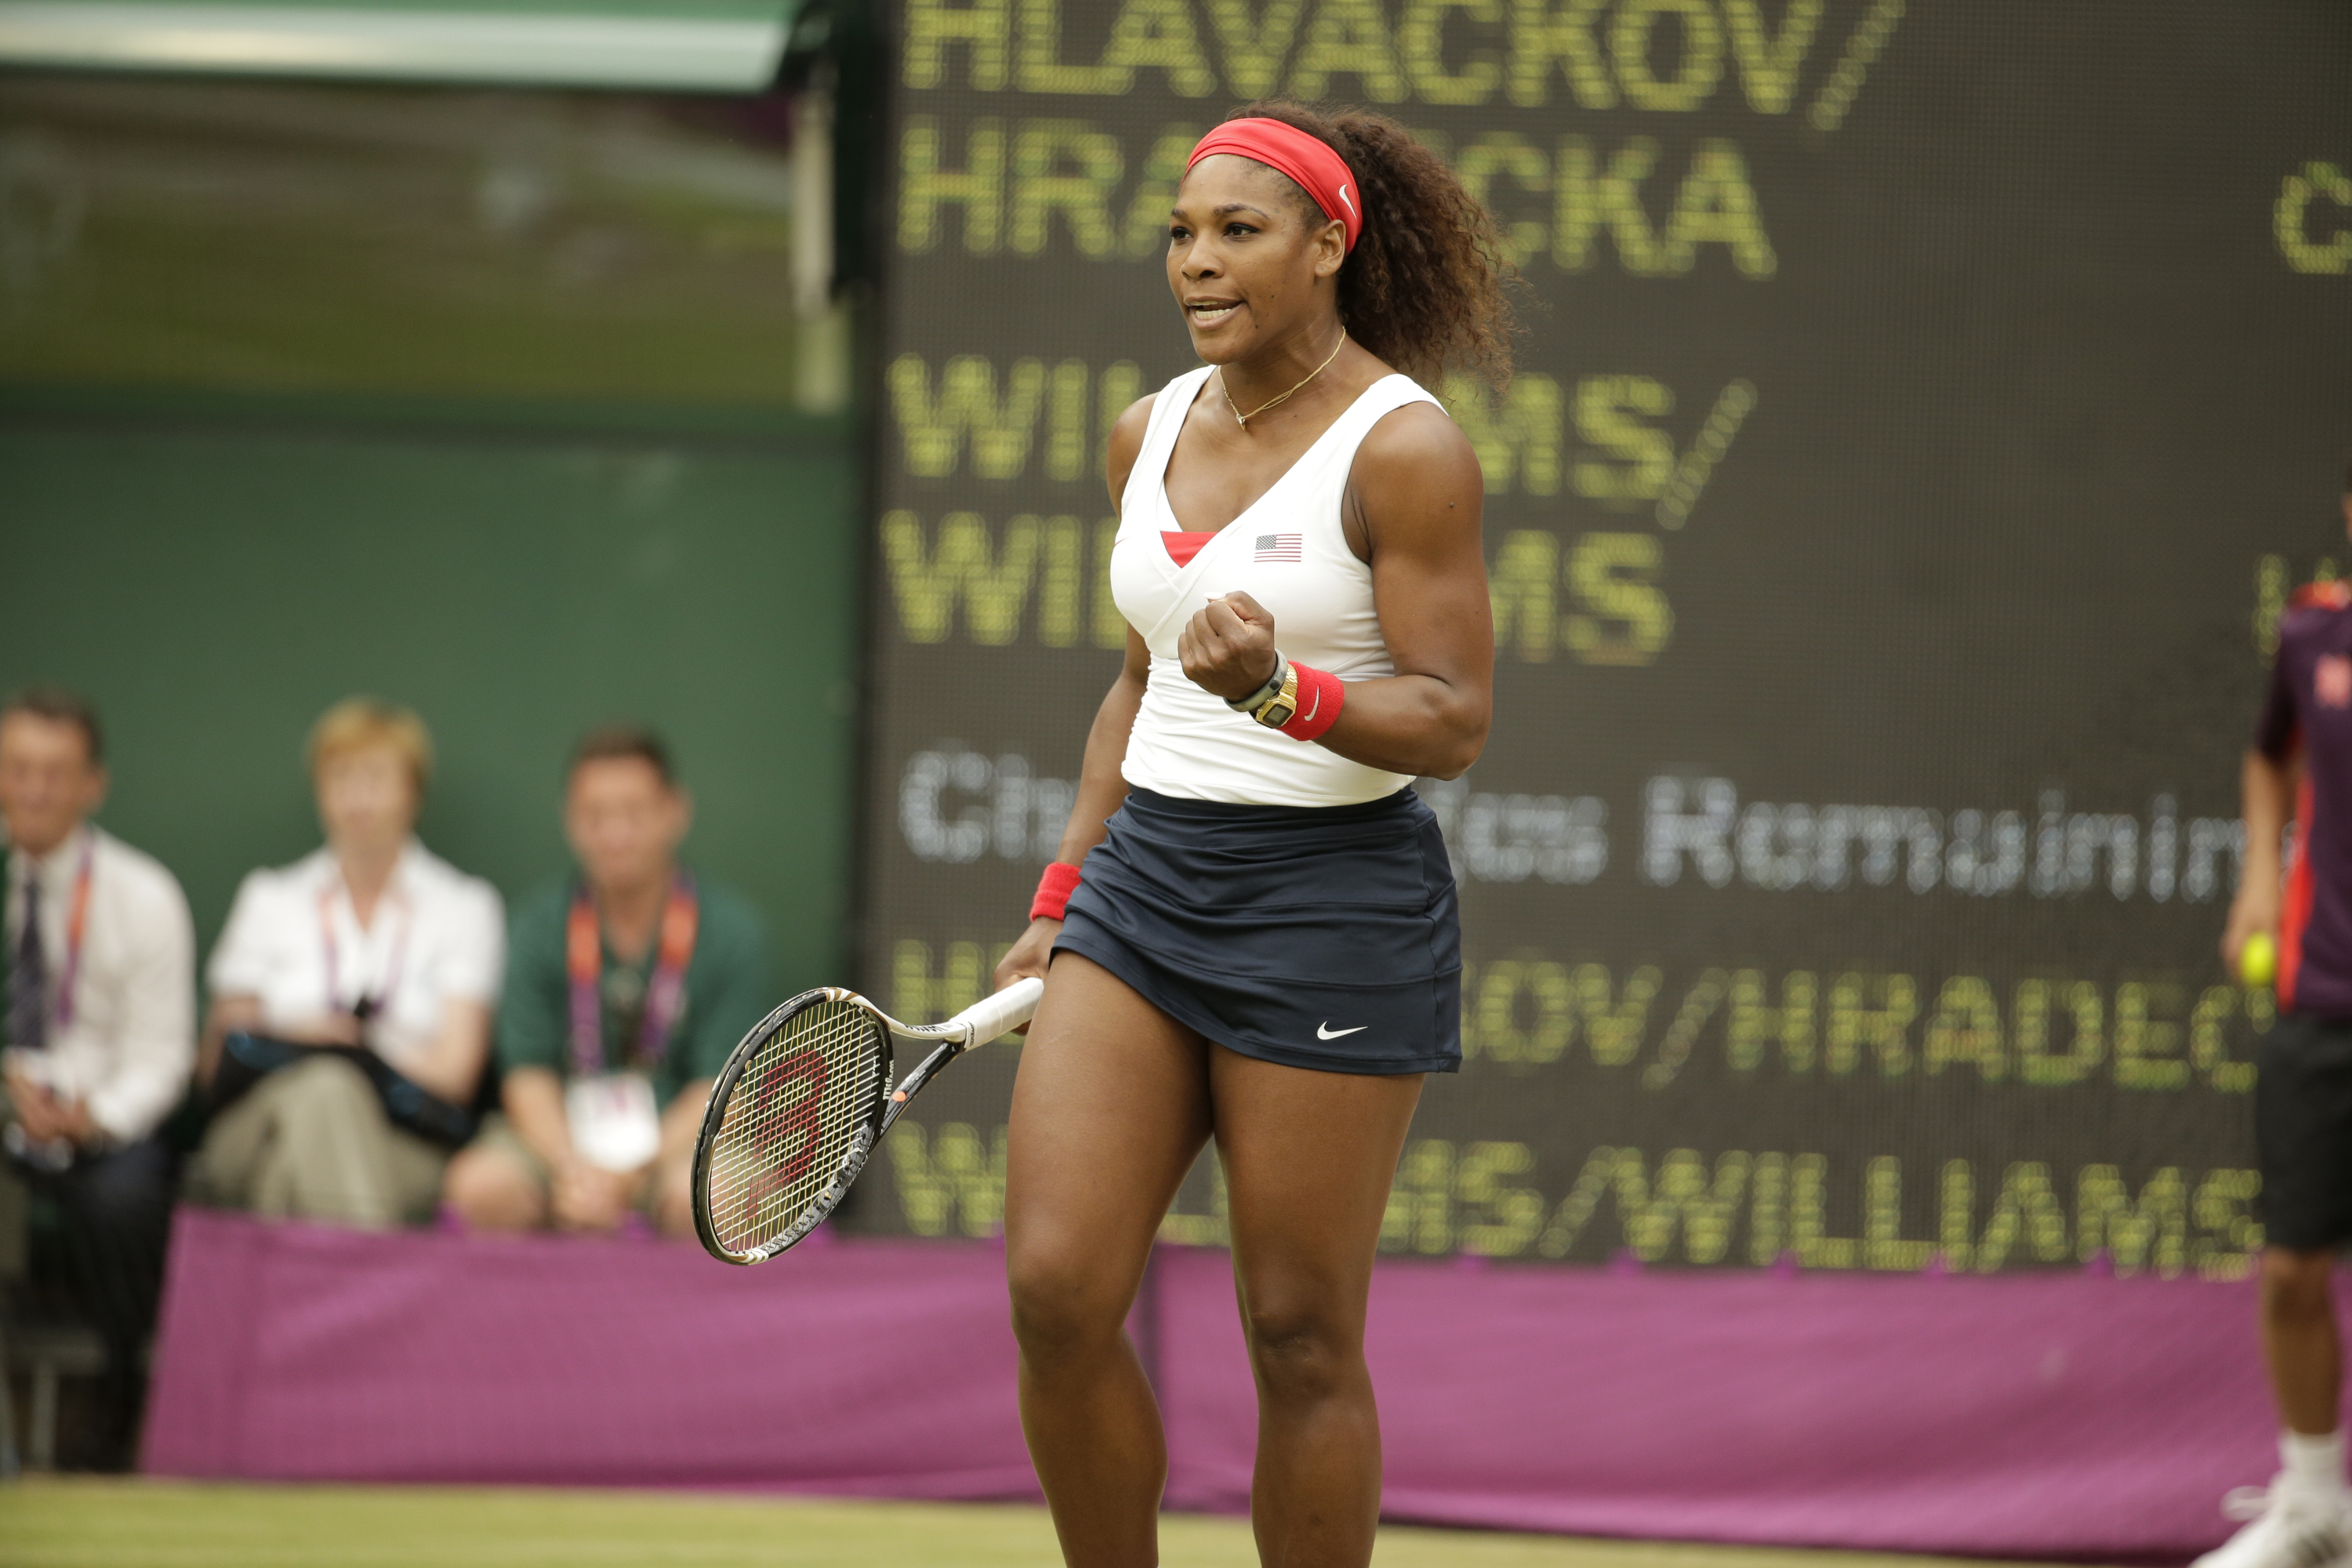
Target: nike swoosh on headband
{"x": 1323, "y": 1031}
{"x": 1314, "y": 164}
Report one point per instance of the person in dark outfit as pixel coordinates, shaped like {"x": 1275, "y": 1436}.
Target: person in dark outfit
{"x": 2302, "y": 762}
{"x": 100, "y": 1035}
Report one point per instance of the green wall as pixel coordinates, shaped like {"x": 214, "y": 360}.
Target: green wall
{"x": 214, "y": 582}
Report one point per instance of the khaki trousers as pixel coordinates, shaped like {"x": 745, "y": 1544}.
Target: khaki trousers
{"x": 311, "y": 1141}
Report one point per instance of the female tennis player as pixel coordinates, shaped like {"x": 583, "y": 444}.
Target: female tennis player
{"x": 1260, "y": 942}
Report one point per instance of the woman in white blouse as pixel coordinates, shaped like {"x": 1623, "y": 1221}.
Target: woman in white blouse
{"x": 372, "y": 941}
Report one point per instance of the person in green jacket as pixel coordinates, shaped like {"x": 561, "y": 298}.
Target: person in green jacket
{"x": 627, "y": 983}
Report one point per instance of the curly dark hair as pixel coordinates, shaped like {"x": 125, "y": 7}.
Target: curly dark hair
{"x": 1424, "y": 289}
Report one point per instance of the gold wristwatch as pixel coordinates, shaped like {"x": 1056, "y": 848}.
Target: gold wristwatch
{"x": 1276, "y": 711}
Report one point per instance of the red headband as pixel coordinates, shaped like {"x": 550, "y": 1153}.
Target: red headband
{"x": 1320, "y": 173}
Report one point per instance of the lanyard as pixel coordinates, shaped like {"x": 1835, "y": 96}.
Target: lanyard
{"x": 380, "y": 1002}
{"x": 584, "y": 962}
{"x": 77, "y": 924}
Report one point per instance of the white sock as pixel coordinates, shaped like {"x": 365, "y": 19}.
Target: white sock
{"x": 2315, "y": 1464}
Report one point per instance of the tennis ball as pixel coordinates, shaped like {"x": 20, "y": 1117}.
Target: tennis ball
{"x": 2258, "y": 960}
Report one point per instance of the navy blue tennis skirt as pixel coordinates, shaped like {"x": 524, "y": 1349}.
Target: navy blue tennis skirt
{"x": 1321, "y": 937}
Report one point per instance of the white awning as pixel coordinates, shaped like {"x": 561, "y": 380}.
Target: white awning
{"x": 693, "y": 45}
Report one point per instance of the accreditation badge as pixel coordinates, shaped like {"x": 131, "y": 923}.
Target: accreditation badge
{"x": 614, "y": 1122}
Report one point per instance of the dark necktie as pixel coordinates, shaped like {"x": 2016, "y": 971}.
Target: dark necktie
{"x": 29, "y": 976}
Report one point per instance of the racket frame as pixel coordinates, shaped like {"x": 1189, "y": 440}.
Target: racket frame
{"x": 954, "y": 1038}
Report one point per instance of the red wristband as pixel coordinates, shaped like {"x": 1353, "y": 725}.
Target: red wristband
{"x": 1054, "y": 891}
{"x": 1320, "y": 696}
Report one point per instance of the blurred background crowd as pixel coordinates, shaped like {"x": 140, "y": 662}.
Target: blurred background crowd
{"x": 384, "y": 1040}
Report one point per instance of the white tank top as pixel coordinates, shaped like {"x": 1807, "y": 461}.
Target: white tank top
{"x": 1288, "y": 551}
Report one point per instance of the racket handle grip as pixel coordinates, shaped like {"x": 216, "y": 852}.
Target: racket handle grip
{"x": 1008, "y": 1009}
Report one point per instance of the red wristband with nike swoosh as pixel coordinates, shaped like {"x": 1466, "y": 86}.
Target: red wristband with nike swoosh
{"x": 1320, "y": 694}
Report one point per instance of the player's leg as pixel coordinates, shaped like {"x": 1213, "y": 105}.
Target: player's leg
{"x": 1110, "y": 1110}
{"x": 1308, "y": 1160}
{"x": 2300, "y": 1339}
{"x": 2302, "y": 1125}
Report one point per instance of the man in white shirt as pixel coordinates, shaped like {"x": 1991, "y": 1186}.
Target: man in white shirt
{"x": 99, "y": 1028}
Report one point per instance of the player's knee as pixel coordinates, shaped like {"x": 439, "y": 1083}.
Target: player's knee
{"x": 490, "y": 1192}
{"x": 1059, "y": 1305}
{"x": 1302, "y": 1354}
{"x": 2295, "y": 1283}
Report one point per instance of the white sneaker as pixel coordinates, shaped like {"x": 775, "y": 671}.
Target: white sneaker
{"x": 2291, "y": 1527}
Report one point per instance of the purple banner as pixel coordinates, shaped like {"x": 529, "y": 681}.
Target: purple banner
{"x": 2032, "y": 1416}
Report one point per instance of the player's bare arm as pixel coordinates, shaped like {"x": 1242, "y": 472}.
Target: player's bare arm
{"x": 1100, "y": 787}
{"x": 2266, "y": 789}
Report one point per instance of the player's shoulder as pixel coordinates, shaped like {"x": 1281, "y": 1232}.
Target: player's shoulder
{"x": 1135, "y": 419}
{"x": 1128, "y": 431}
{"x": 2315, "y": 610}
{"x": 1419, "y": 428}
{"x": 1126, "y": 444}
{"x": 1415, "y": 443}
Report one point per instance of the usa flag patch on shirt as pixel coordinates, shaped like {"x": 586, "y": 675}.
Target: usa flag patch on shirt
{"x": 1278, "y": 546}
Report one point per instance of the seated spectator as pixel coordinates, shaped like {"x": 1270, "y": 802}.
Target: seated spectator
{"x": 371, "y": 944}
{"x": 100, "y": 1021}
{"x": 628, "y": 985}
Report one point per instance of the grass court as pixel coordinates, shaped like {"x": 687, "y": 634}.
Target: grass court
{"x": 61, "y": 1523}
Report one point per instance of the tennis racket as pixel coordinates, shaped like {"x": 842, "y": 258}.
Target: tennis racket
{"x": 801, "y": 1102}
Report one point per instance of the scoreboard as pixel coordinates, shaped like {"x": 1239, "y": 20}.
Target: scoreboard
{"x": 1922, "y": 413}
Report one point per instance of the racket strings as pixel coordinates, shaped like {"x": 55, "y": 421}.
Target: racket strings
{"x": 791, "y": 1121}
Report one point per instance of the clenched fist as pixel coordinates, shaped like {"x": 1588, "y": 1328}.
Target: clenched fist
{"x": 1227, "y": 649}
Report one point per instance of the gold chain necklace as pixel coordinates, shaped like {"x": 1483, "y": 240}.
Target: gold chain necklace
{"x": 1243, "y": 419}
